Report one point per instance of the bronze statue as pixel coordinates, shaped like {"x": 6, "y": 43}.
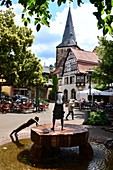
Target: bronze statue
{"x": 27, "y": 124}
{"x": 58, "y": 112}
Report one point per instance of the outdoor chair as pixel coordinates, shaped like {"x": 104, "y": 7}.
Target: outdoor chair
{"x": 4, "y": 108}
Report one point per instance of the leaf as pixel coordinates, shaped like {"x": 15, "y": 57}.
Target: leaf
{"x": 97, "y": 14}
{"x": 38, "y": 26}
{"x": 24, "y": 10}
{"x": 28, "y": 19}
{"x": 59, "y": 2}
{"x": 79, "y": 2}
{"x": 111, "y": 30}
{"x": 36, "y": 21}
{"x": 100, "y": 23}
{"x": 108, "y": 5}
{"x": 8, "y": 3}
{"x": 2, "y": 3}
{"x": 22, "y": 16}
{"x": 25, "y": 23}
{"x": 109, "y": 19}
{"x": 23, "y": 2}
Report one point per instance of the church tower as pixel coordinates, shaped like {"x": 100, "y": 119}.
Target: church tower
{"x": 68, "y": 40}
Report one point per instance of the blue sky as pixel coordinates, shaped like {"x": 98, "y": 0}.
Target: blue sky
{"x": 46, "y": 40}
{"x": 54, "y": 7}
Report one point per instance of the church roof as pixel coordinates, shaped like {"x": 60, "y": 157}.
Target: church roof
{"x": 69, "y": 38}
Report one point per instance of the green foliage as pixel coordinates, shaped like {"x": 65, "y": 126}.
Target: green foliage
{"x": 103, "y": 72}
{"x": 51, "y": 67}
{"x": 42, "y": 101}
{"x": 41, "y": 10}
{"x": 101, "y": 87}
{"x": 103, "y": 15}
{"x": 54, "y": 89}
{"x": 55, "y": 83}
{"x": 98, "y": 117}
{"x": 17, "y": 64}
{"x": 4, "y": 93}
{"x": 46, "y": 77}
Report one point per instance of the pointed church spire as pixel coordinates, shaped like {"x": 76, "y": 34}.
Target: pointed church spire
{"x": 69, "y": 38}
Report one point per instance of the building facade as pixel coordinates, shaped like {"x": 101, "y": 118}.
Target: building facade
{"x": 72, "y": 63}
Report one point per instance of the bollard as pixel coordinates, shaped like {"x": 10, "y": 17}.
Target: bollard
{"x": 86, "y": 116}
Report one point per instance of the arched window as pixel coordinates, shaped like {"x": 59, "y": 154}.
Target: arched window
{"x": 73, "y": 94}
{"x": 66, "y": 94}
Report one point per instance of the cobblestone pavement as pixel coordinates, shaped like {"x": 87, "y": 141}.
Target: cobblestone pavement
{"x": 10, "y": 121}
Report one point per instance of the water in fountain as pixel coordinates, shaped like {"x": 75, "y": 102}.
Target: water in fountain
{"x": 102, "y": 159}
{"x": 69, "y": 159}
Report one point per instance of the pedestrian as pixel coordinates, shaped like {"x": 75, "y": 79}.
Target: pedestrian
{"x": 71, "y": 106}
{"x": 82, "y": 103}
{"x": 58, "y": 112}
{"x": 102, "y": 104}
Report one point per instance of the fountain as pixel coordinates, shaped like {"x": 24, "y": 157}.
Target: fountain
{"x": 46, "y": 141}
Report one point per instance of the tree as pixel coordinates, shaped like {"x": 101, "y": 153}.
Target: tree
{"x": 51, "y": 67}
{"x": 17, "y": 64}
{"x": 54, "y": 90}
{"x": 43, "y": 15}
{"x": 103, "y": 73}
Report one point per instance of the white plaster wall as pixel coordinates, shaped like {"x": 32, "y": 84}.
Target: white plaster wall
{"x": 68, "y": 87}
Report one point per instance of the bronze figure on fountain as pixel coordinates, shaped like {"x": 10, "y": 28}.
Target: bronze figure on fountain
{"x": 58, "y": 112}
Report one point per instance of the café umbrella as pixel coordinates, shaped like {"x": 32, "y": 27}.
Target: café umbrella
{"x": 93, "y": 92}
{"x": 85, "y": 93}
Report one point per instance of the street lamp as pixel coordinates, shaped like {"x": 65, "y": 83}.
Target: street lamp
{"x": 89, "y": 76}
{"x": 37, "y": 99}
{"x": 2, "y": 80}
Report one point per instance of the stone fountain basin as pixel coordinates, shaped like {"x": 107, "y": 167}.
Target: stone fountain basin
{"x": 45, "y": 140}
{"x": 72, "y": 135}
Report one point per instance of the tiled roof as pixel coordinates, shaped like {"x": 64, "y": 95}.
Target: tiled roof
{"x": 85, "y": 59}
{"x": 82, "y": 67}
{"x": 85, "y": 56}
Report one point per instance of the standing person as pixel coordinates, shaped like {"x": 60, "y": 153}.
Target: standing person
{"x": 102, "y": 103}
{"x": 58, "y": 112}
{"x": 70, "y": 108}
{"x": 81, "y": 103}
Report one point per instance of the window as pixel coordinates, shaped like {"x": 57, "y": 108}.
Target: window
{"x": 66, "y": 80}
{"x": 61, "y": 50}
{"x": 60, "y": 82}
{"x": 71, "y": 79}
{"x": 73, "y": 94}
{"x": 80, "y": 80}
{"x": 60, "y": 70}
